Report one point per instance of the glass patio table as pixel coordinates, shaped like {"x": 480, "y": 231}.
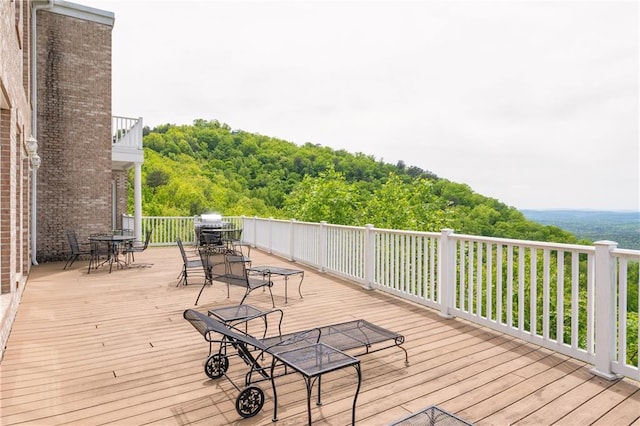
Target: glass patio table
{"x": 113, "y": 243}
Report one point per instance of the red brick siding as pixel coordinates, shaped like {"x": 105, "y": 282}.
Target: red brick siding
{"x": 15, "y": 124}
{"x": 5, "y": 200}
{"x": 121, "y": 179}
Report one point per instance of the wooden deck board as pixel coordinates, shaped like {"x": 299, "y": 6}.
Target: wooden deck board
{"x": 114, "y": 349}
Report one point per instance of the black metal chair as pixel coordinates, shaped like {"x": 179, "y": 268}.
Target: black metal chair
{"x": 231, "y": 268}
{"x": 77, "y": 249}
{"x": 100, "y": 252}
{"x": 137, "y": 247}
{"x": 211, "y": 240}
{"x": 188, "y": 263}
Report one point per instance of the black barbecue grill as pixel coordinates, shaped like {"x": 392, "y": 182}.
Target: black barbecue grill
{"x": 208, "y": 228}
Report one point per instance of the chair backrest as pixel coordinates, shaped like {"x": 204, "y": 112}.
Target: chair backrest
{"x": 235, "y": 235}
{"x": 236, "y": 266}
{"x": 205, "y": 325}
{"x": 184, "y": 255}
{"x": 148, "y": 238}
{"x": 211, "y": 239}
{"x": 213, "y": 263}
{"x": 73, "y": 242}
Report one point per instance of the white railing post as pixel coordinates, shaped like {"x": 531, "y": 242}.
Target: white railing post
{"x": 605, "y": 318}
{"x": 270, "y": 233}
{"x": 292, "y": 248}
{"x": 446, "y": 262}
{"x": 137, "y": 201}
{"x": 369, "y": 256}
{"x": 322, "y": 246}
{"x": 254, "y": 233}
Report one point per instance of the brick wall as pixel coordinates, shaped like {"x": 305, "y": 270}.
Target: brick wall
{"x": 121, "y": 179}
{"x": 5, "y": 199}
{"x": 15, "y": 126}
{"x": 74, "y": 131}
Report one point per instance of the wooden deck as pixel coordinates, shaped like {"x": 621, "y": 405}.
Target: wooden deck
{"x": 113, "y": 348}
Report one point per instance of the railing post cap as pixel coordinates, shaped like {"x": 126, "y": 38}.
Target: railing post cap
{"x": 606, "y": 243}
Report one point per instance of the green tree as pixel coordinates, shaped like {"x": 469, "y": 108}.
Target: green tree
{"x": 329, "y": 197}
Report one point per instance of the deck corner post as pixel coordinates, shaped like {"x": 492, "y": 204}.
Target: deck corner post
{"x": 369, "y": 256}
{"x": 270, "y": 233}
{"x": 322, "y": 249}
{"x": 292, "y": 240}
{"x": 254, "y": 233}
{"x": 605, "y": 317}
{"x": 446, "y": 286}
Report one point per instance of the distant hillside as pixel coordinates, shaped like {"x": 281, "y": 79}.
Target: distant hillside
{"x": 208, "y": 167}
{"x": 622, "y": 227}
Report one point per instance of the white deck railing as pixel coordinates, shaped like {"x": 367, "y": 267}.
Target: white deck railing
{"x": 569, "y": 298}
{"x": 126, "y": 132}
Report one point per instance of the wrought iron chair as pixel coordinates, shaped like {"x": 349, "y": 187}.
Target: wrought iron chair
{"x": 77, "y": 249}
{"x": 99, "y": 251}
{"x": 232, "y": 268}
{"x": 188, "y": 263}
{"x": 137, "y": 247}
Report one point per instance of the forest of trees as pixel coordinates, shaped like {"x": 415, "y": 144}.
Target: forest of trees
{"x": 207, "y": 167}
{"x": 621, "y": 227}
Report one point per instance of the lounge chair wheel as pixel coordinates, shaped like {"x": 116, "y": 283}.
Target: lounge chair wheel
{"x": 216, "y": 365}
{"x": 250, "y": 401}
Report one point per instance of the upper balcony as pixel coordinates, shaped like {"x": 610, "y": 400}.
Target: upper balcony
{"x": 127, "y": 142}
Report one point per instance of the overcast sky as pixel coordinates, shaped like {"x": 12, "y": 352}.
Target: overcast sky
{"x": 535, "y": 103}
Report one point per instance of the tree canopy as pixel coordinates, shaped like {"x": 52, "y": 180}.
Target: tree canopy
{"x": 207, "y": 166}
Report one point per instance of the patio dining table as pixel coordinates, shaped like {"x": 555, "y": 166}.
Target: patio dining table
{"x": 113, "y": 243}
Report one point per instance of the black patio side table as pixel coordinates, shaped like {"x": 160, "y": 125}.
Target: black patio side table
{"x": 312, "y": 362}
{"x": 284, "y": 272}
{"x": 237, "y": 314}
{"x": 431, "y": 416}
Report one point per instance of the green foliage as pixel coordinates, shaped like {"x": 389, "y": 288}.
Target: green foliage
{"x": 400, "y": 205}
{"x": 328, "y": 197}
{"x": 206, "y": 166}
{"x": 621, "y": 227}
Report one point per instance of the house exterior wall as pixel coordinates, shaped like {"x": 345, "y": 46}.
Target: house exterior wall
{"x": 15, "y": 174}
{"x": 71, "y": 121}
{"x": 120, "y": 178}
{"x": 74, "y": 130}
{"x": 15, "y": 127}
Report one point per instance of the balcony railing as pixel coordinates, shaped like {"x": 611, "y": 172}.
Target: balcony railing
{"x": 126, "y": 132}
{"x": 126, "y": 137}
{"x": 572, "y": 299}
